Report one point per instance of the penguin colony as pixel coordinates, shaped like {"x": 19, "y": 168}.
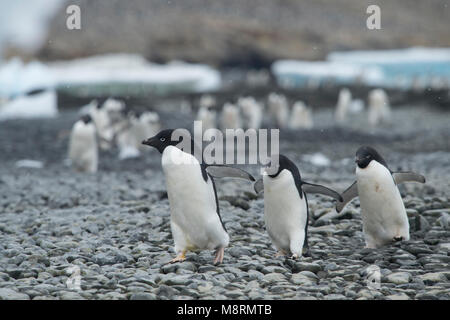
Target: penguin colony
{"x": 102, "y": 126}
{"x": 247, "y": 113}
{"x": 195, "y": 219}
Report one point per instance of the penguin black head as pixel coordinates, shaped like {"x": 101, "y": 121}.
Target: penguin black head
{"x": 284, "y": 163}
{"x": 86, "y": 118}
{"x": 366, "y": 154}
{"x": 162, "y": 140}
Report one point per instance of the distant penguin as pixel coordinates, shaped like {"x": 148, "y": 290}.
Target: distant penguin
{"x": 382, "y": 209}
{"x": 208, "y": 118}
{"x": 278, "y": 109}
{"x": 207, "y": 101}
{"x": 83, "y": 151}
{"x": 301, "y": 117}
{"x": 379, "y": 107}
{"x": 286, "y": 206}
{"x": 137, "y": 128}
{"x": 107, "y": 118}
{"x": 102, "y": 124}
{"x": 116, "y": 111}
{"x": 194, "y": 207}
{"x": 252, "y": 112}
{"x": 127, "y": 141}
{"x": 230, "y": 117}
{"x": 148, "y": 125}
{"x": 343, "y": 105}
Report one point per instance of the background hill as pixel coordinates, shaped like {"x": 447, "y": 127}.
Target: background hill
{"x": 244, "y": 33}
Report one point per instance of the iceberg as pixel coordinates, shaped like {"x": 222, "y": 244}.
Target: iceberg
{"x": 109, "y": 74}
{"x": 116, "y": 69}
{"x": 42, "y": 105}
{"x": 402, "y": 68}
{"x": 18, "y": 78}
{"x": 295, "y": 73}
{"x": 399, "y": 68}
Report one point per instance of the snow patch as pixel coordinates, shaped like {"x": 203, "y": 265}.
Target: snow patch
{"x": 317, "y": 159}
{"x": 42, "y": 105}
{"x": 26, "y": 163}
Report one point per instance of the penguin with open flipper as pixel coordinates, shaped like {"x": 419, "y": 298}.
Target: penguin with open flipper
{"x": 194, "y": 207}
{"x": 382, "y": 209}
{"x": 286, "y": 206}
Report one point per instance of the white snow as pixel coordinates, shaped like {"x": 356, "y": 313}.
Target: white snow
{"x": 317, "y": 159}
{"x": 41, "y": 105}
{"x": 129, "y": 68}
{"x": 384, "y": 68}
{"x": 323, "y": 69}
{"x": 415, "y": 54}
{"x": 27, "y": 163}
{"x": 17, "y": 78}
{"x": 129, "y": 152}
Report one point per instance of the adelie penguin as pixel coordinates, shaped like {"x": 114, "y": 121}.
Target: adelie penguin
{"x": 383, "y": 212}
{"x": 286, "y": 206}
{"x": 83, "y": 150}
{"x": 194, "y": 207}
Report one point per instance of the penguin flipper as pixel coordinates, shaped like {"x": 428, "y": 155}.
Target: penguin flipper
{"x": 400, "y": 177}
{"x": 223, "y": 171}
{"x": 347, "y": 196}
{"x": 259, "y": 186}
{"x": 316, "y": 188}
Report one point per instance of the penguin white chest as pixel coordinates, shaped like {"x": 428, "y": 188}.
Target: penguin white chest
{"x": 285, "y": 213}
{"x": 194, "y": 220}
{"x": 83, "y": 151}
{"x": 383, "y": 212}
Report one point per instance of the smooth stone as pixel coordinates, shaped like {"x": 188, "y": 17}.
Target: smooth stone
{"x": 69, "y": 295}
{"x": 142, "y": 296}
{"x": 303, "y": 280}
{"x": 434, "y": 277}
{"x": 335, "y": 296}
{"x": 331, "y": 267}
{"x": 398, "y": 296}
{"x": 306, "y": 266}
{"x": 399, "y": 277}
{"x": 187, "y": 265}
{"x": 274, "y": 277}
{"x": 10, "y": 294}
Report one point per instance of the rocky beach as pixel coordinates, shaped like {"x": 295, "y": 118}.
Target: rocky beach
{"x": 112, "y": 228}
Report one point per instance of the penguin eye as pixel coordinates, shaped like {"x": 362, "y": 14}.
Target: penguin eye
{"x": 162, "y": 139}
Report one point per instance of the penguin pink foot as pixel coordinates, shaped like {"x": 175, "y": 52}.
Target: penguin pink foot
{"x": 219, "y": 255}
{"x": 179, "y": 258}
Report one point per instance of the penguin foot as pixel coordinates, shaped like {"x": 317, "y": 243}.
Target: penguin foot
{"x": 294, "y": 256}
{"x": 179, "y": 258}
{"x": 219, "y": 255}
{"x": 280, "y": 254}
{"x": 398, "y": 238}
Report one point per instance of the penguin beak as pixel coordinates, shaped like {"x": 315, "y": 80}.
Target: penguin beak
{"x": 150, "y": 142}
